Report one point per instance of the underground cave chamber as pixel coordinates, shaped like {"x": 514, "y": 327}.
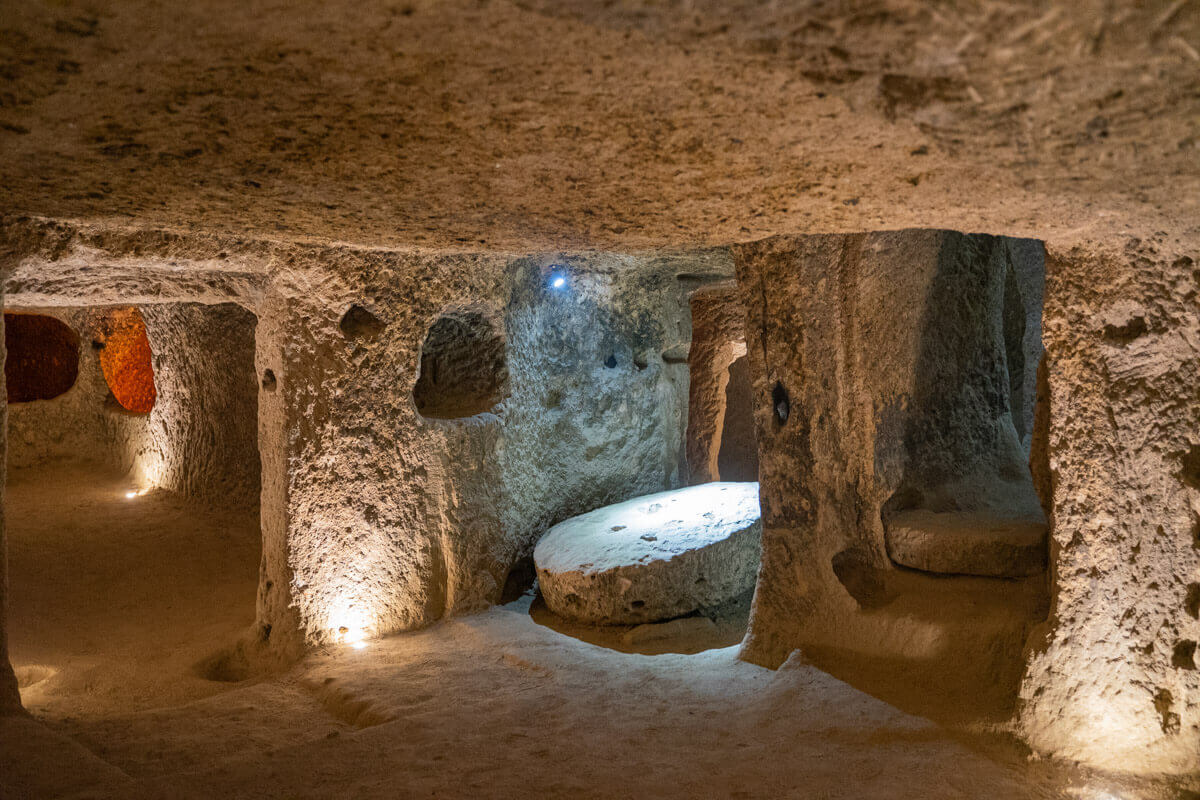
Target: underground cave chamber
{"x": 132, "y": 492}
{"x": 414, "y": 454}
{"x": 566, "y": 399}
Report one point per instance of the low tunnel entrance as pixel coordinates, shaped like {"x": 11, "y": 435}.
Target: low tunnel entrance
{"x": 131, "y": 505}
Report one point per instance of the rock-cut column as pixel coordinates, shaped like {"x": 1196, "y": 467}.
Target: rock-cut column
{"x": 278, "y": 623}
{"x": 346, "y": 550}
{"x": 10, "y": 698}
{"x": 1113, "y": 678}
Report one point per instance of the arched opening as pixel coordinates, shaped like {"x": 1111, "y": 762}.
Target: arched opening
{"x": 674, "y": 571}
{"x": 951, "y": 577}
{"x": 42, "y": 358}
{"x": 967, "y": 504}
{"x": 737, "y": 456}
{"x": 463, "y": 371}
{"x": 134, "y": 539}
{"x": 126, "y": 361}
{"x": 721, "y": 443}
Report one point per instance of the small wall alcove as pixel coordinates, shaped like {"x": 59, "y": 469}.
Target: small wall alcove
{"x": 463, "y": 369}
{"x": 43, "y": 357}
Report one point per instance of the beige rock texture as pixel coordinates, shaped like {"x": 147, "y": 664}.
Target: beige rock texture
{"x": 967, "y": 543}
{"x": 720, "y": 417}
{"x": 654, "y": 557}
{"x": 883, "y": 386}
{"x": 445, "y": 509}
{"x": 1112, "y": 674}
{"x": 201, "y": 439}
{"x": 412, "y": 160}
{"x": 563, "y": 124}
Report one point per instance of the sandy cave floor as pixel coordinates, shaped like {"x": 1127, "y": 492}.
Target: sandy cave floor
{"x": 492, "y": 705}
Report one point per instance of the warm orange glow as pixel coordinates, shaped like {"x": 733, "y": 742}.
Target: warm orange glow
{"x": 125, "y": 361}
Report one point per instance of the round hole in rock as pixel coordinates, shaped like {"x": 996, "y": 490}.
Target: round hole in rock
{"x": 463, "y": 371}
{"x": 43, "y": 357}
{"x": 126, "y": 361}
{"x": 781, "y": 404}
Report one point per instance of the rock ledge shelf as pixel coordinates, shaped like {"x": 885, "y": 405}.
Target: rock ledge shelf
{"x": 654, "y": 557}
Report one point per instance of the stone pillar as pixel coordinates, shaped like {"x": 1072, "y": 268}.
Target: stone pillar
{"x": 882, "y": 382}
{"x": 278, "y": 622}
{"x": 1113, "y": 678}
{"x": 833, "y": 335}
{"x": 350, "y": 544}
{"x": 10, "y": 698}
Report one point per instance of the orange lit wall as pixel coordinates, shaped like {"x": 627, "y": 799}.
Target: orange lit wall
{"x": 125, "y": 361}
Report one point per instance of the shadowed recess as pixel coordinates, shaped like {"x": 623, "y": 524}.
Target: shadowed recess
{"x": 43, "y": 357}
{"x": 463, "y": 368}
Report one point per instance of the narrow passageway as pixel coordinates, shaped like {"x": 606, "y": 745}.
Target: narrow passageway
{"x": 117, "y": 592}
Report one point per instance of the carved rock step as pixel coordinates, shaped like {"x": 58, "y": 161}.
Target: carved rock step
{"x": 967, "y": 543}
{"x": 654, "y": 557}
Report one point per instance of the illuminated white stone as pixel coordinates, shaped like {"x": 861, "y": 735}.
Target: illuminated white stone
{"x": 653, "y": 557}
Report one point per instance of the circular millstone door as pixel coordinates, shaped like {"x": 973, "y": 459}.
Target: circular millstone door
{"x": 654, "y": 557}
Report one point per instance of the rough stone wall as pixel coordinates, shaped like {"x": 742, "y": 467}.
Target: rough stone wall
{"x": 718, "y": 340}
{"x": 442, "y": 510}
{"x": 10, "y": 696}
{"x": 1113, "y": 676}
{"x": 597, "y": 414}
{"x": 201, "y": 436}
{"x": 879, "y": 363}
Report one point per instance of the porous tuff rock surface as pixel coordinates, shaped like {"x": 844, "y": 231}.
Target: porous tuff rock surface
{"x": 443, "y": 510}
{"x": 967, "y": 543}
{"x": 202, "y": 434}
{"x": 882, "y": 379}
{"x": 718, "y": 340}
{"x": 1109, "y": 680}
{"x": 653, "y": 557}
